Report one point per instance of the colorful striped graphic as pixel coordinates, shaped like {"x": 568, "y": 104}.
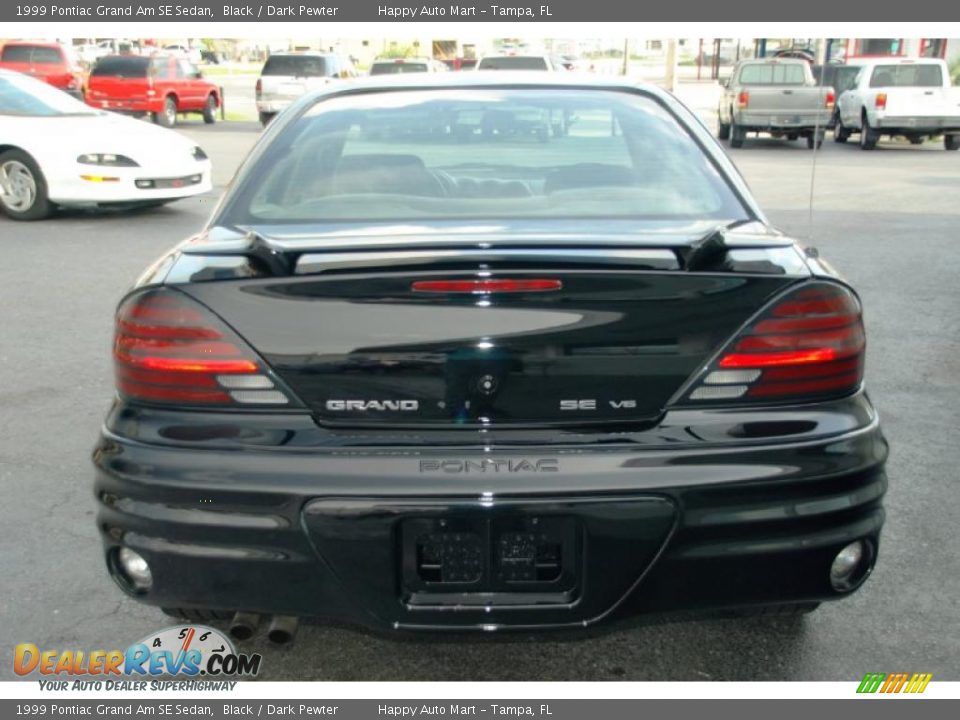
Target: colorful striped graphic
{"x": 895, "y": 682}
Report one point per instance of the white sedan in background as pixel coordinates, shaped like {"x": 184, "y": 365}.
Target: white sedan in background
{"x": 57, "y": 151}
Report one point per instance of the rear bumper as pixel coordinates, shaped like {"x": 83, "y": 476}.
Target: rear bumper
{"x": 918, "y": 124}
{"x": 333, "y": 532}
{"x": 783, "y": 122}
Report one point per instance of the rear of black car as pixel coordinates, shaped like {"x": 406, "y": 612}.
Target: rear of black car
{"x": 453, "y": 374}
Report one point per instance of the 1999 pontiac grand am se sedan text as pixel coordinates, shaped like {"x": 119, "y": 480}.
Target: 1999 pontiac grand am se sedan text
{"x": 488, "y": 353}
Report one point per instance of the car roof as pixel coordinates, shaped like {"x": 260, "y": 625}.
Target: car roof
{"x": 302, "y": 53}
{"x": 485, "y": 79}
{"x": 894, "y": 60}
{"x": 38, "y": 43}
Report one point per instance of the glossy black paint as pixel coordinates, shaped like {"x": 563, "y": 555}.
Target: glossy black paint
{"x": 295, "y": 511}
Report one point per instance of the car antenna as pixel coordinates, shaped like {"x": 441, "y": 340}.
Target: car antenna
{"x": 816, "y": 144}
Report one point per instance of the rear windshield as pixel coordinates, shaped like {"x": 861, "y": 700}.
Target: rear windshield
{"x": 772, "y": 74}
{"x": 906, "y": 76}
{"x": 16, "y": 53}
{"x": 47, "y": 56}
{"x": 513, "y": 63}
{"x": 121, "y": 66}
{"x": 483, "y": 153}
{"x": 394, "y": 68}
{"x": 296, "y": 66}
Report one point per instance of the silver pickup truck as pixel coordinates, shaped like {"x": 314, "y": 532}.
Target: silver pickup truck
{"x": 777, "y": 96}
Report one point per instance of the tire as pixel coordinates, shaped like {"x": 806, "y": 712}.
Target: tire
{"x": 840, "y": 133}
{"x": 24, "y": 187}
{"x": 792, "y": 136}
{"x": 951, "y": 142}
{"x": 737, "y": 134}
{"x": 210, "y": 110}
{"x": 815, "y": 140}
{"x": 723, "y": 129}
{"x": 168, "y": 116}
{"x": 868, "y": 136}
{"x": 265, "y": 118}
{"x": 915, "y": 139}
{"x": 197, "y": 614}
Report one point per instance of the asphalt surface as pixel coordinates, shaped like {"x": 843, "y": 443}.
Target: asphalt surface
{"x": 887, "y": 219}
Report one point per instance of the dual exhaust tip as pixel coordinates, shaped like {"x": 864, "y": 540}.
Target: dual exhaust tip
{"x": 281, "y": 630}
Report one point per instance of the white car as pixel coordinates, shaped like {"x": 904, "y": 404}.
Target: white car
{"x": 900, "y": 96}
{"x": 59, "y": 151}
{"x": 546, "y": 63}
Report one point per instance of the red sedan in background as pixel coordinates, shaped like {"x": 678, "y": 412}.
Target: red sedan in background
{"x": 50, "y": 62}
{"x": 162, "y": 86}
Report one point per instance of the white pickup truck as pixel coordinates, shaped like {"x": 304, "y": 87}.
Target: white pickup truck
{"x": 897, "y": 96}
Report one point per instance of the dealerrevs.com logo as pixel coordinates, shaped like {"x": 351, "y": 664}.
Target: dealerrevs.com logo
{"x": 182, "y": 651}
{"x": 891, "y": 683}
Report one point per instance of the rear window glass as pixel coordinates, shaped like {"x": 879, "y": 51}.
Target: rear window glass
{"x": 393, "y": 68}
{"x": 490, "y": 153}
{"x": 513, "y": 63}
{"x": 906, "y": 76}
{"x": 772, "y": 74}
{"x": 47, "y": 56}
{"x": 296, "y": 65}
{"x": 121, "y": 66}
{"x": 16, "y": 53}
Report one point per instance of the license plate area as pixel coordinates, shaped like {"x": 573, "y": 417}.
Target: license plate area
{"x": 500, "y": 560}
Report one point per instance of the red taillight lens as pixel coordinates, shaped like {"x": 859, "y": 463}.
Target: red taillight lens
{"x": 743, "y": 99}
{"x": 259, "y": 89}
{"x": 881, "y": 101}
{"x": 486, "y": 286}
{"x": 808, "y": 345}
{"x": 169, "y": 349}
{"x": 831, "y": 100}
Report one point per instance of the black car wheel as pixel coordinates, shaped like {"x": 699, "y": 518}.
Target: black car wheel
{"x": 168, "y": 116}
{"x": 210, "y": 110}
{"x": 265, "y": 118}
{"x": 723, "y": 129}
{"x": 815, "y": 140}
{"x": 840, "y": 132}
{"x": 951, "y": 142}
{"x": 737, "y": 134}
{"x": 24, "y": 188}
{"x": 868, "y": 136}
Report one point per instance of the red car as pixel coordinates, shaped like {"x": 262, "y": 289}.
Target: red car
{"x": 48, "y": 61}
{"x": 161, "y": 85}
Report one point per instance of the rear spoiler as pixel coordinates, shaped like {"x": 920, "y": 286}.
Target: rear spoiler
{"x": 253, "y": 254}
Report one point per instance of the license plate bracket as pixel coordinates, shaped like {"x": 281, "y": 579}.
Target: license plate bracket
{"x": 490, "y": 560}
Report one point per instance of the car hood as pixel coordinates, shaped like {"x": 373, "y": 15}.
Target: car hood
{"x": 67, "y": 136}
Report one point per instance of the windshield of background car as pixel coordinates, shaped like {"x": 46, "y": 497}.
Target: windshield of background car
{"x": 513, "y": 62}
{"x": 906, "y": 76}
{"x": 296, "y": 66}
{"x": 395, "y": 68}
{"x": 483, "y": 153}
{"x": 121, "y": 66}
{"x": 28, "y": 97}
{"x": 772, "y": 74}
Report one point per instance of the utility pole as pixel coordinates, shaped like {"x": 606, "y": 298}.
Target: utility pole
{"x": 670, "y": 71}
{"x": 626, "y": 56}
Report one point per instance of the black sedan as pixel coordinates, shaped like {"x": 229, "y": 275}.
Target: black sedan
{"x": 439, "y": 362}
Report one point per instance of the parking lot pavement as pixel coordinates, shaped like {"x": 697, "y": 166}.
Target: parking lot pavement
{"x": 888, "y": 219}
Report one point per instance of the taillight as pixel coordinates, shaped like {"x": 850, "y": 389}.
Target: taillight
{"x": 169, "y": 349}
{"x": 831, "y": 100}
{"x": 743, "y": 99}
{"x": 808, "y": 345}
{"x": 258, "y": 90}
{"x": 881, "y": 101}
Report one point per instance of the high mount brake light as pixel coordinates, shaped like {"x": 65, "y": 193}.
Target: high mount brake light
{"x": 486, "y": 286}
{"x": 808, "y": 345}
{"x": 169, "y": 349}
